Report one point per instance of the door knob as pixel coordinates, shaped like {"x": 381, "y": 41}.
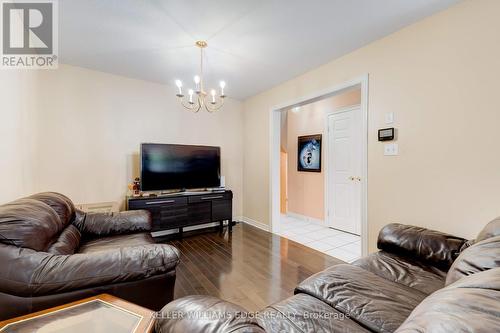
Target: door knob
{"x": 358, "y": 178}
{"x": 352, "y": 178}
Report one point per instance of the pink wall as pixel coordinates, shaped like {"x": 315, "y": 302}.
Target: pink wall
{"x": 306, "y": 189}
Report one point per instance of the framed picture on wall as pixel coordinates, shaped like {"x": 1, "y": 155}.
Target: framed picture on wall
{"x": 309, "y": 153}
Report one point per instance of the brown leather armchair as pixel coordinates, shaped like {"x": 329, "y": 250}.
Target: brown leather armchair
{"x": 420, "y": 281}
{"x": 52, "y": 254}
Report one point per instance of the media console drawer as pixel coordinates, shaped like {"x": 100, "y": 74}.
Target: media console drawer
{"x": 151, "y": 202}
{"x": 211, "y": 197}
{"x": 182, "y": 210}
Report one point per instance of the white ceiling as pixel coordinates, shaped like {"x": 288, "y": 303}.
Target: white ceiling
{"x": 253, "y": 44}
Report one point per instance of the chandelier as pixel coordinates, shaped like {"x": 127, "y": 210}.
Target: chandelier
{"x": 199, "y": 98}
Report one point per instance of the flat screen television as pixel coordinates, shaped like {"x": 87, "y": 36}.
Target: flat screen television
{"x": 172, "y": 167}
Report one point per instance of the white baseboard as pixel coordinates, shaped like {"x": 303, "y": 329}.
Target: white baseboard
{"x": 254, "y": 223}
{"x": 305, "y": 218}
{"x": 191, "y": 228}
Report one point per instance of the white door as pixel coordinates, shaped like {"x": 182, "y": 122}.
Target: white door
{"x": 344, "y": 170}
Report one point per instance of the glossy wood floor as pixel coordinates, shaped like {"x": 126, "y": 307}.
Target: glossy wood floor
{"x": 249, "y": 267}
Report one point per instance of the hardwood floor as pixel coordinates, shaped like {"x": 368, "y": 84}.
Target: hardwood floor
{"x": 249, "y": 267}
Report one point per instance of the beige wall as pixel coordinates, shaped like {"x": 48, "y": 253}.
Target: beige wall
{"x": 439, "y": 76}
{"x": 87, "y": 129}
{"x": 18, "y": 134}
{"x": 306, "y": 189}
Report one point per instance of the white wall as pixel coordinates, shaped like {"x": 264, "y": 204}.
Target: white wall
{"x": 440, "y": 77}
{"x": 88, "y": 127}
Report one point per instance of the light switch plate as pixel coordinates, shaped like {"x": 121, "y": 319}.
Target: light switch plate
{"x": 391, "y": 149}
{"x": 389, "y": 118}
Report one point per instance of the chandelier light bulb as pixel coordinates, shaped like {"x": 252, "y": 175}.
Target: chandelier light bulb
{"x": 178, "y": 83}
{"x": 222, "y": 85}
{"x": 197, "y": 82}
{"x": 213, "y": 92}
{"x": 190, "y": 92}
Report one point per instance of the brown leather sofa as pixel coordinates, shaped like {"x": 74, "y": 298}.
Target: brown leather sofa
{"x": 419, "y": 281}
{"x": 52, "y": 254}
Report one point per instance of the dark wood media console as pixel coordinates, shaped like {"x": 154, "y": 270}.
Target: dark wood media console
{"x": 172, "y": 211}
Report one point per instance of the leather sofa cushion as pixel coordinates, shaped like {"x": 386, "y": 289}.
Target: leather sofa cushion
{"x": 113, "y": 242}
{"x": 492, "y": 229}
{"x": 374, "y": 302}
{"x": 468, "y": 305}
{"x": 105, "y": 224}
{"x": 204, "y": 314}
{"x": 479, "y": 257}
{"x": 31, "y": 273}
{"x": 304, "y": 313}
{"x": 414, "y": 274}
{"x": 433, "y": 247}
{"x": 29, "y": 223}
{"x": 60, "y": 203}
{"x": 68, "y": 241}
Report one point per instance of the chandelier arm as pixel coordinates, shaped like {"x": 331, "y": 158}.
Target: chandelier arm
{"x": 214, "y": 107}
{"x": 200, "y": 102}
{"x": 198, "y": 108}
{"x": 193, "y": 107}
{"x": 184, "y": 103}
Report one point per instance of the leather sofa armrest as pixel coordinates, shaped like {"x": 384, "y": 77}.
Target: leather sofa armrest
{"x": 34, "y": 273}
{"x": 103, "y": 224}
{"x": 434, "y": 247}
{"x": 205, "y": 314}
{"x": 468, "y": 305}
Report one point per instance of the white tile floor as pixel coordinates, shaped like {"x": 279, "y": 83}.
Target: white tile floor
{"x": 339, "y": 244}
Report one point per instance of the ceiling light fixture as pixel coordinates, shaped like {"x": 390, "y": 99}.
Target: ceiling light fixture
{"x": 194, "y": 103}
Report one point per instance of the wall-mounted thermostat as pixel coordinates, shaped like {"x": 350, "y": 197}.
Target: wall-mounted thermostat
{"x": 386, "y": 134}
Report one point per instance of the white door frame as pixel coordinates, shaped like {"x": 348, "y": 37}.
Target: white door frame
{"x": 326, "y": 151}
{"x": 274, "y": 151}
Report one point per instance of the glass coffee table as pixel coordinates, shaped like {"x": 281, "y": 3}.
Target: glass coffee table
{"x": 99, "y": 314}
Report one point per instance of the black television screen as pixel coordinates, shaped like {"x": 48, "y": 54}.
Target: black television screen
{"x": 168, "y": 167}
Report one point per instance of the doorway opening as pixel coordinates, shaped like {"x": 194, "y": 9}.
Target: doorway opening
{"x": 318, "y": 170}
